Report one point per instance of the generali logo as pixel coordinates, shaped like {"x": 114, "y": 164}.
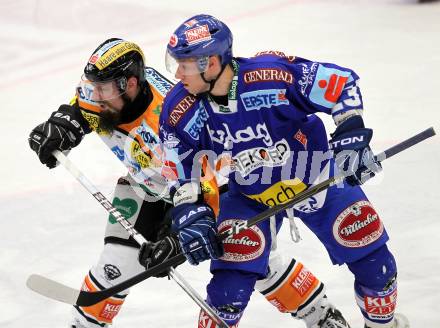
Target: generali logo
{"x": 180, "y": 109}
{"x": 244, "y": 246}
{"x": 268, "y": 74}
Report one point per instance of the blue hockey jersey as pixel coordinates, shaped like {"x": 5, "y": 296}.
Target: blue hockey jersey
{"x": 268, "y": 132}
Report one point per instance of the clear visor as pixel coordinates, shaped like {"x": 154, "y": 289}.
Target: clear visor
{"x": 103, "y": 91}
{"x": 186, "y": 66}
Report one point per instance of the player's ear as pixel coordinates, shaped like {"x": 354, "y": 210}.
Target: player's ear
{"x": 132, "y": 82}
{"x": 214, "y": 61}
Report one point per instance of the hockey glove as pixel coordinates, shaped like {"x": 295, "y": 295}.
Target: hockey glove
{"x": 60, "y": 132}
{"x": 152, "y": 254}
{"x": 353, "y": 155}
{"x": 195, "y": 226}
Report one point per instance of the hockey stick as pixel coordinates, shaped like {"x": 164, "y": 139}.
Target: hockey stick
{"x": 90, "y": 298}
{"x": 40, "y": 284}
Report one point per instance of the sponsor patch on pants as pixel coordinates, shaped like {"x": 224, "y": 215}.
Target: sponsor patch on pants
{"x": 358, "y": 225}
{"x": 245, "y": 246}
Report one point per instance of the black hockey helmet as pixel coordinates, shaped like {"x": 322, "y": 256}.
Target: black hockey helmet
{"x": 116, "y": 59}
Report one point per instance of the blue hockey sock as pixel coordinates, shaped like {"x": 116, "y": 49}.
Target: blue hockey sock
{"x": 376, "y": 286}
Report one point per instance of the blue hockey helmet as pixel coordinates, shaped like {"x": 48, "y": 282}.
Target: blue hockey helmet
{"x": 199, "y": 38}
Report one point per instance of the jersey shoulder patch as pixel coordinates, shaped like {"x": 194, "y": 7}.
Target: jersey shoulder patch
{"x": 328, "y": 85}
{"x": 158, "y": 81}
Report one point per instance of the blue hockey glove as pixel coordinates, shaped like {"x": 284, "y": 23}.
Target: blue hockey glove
{"x": 353, "y": 155}
{"x": 195, "y": 226}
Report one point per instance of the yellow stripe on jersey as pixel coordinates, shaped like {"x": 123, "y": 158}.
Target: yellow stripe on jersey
{"x": 73, "y": 101}
{"x": 209, "y": 185}
{"x": 279, "y": 192}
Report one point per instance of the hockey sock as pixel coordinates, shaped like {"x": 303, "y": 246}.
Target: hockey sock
{"x": 376, "y": 287}
{"x": 100, "y": 314}
{"x": 291, "y": 287}
{"x": 229, "y": 292}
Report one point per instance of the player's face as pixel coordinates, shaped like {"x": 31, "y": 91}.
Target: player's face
{"x": 111, "y": 108}
{"x": 108, "y": 95}
{"x": 194, "y": 84}
{"x": 189, "y": 71}
{"x": 114, "y": 105}
{"x": 111, "y": 96}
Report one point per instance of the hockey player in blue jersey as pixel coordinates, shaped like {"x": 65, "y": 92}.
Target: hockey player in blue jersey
{"x": 258, "y": 114}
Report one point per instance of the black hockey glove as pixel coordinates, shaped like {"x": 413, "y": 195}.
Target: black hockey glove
{"x": 62, "y": 131}
{"x": 353, "y": 155}
{"x": 152, "y": 254}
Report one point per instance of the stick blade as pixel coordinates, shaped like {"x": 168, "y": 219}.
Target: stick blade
{"x": 52, "y": 289}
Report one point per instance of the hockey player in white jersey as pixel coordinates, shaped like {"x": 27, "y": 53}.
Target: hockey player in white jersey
{"x": 120, "y": 99}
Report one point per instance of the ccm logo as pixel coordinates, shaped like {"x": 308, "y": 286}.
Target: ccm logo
{"x": 347, "y": 141}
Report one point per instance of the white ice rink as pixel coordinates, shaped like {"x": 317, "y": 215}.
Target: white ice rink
{"x": 50, "y": 225}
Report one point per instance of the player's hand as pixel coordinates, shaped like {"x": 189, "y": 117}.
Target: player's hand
{"x": 196, "y": 228}
{"x": 60, "y": 132}
{"x": 353, "y": 155}
{"x": 152, "y": 254}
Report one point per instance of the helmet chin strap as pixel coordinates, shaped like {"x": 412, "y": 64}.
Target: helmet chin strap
{"x": 213, "y": 81}
{"x": 132, "y": 109}
{"x": 122, "y": 87}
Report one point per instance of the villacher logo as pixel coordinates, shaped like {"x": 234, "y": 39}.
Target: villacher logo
{"x": 358, "y": 225}
{"x": 244, "y": 246}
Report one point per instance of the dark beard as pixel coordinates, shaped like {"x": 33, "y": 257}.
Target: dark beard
{"x": 109, "y": 120}
{"x": 131, "y": 110}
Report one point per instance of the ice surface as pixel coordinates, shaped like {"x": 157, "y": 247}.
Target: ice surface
{"x": 53, "y": 227}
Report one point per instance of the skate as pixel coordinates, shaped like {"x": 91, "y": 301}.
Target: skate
{"x": 332, "y": 319}
{"x": 400, "y": 321}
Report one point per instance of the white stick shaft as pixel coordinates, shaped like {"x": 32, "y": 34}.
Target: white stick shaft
{"x": 196, "y": 297}
{"x": 132, "y": 231}
{"x": 68, "y": 164}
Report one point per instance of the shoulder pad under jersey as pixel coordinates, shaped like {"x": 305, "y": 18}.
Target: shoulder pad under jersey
{"x": 158, "y": 81}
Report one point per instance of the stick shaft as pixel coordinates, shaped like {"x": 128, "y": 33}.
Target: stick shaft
{"x": 134, "y": 233}
{"x": 180, "y": 258}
